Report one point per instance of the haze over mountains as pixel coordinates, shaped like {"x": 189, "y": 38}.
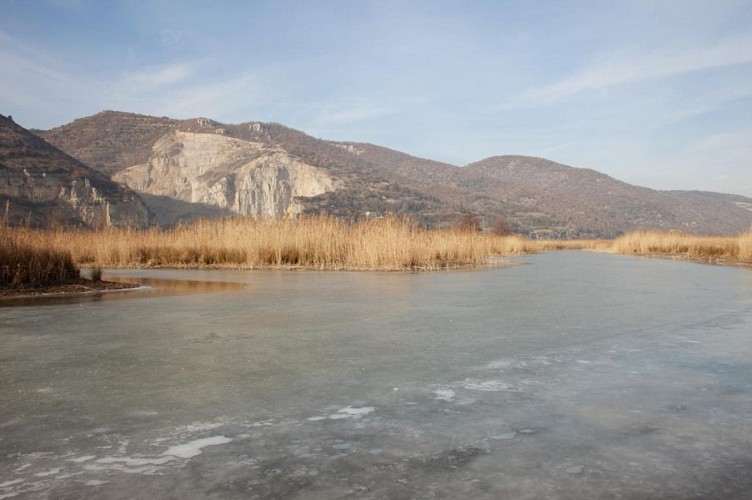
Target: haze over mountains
{"x": 198, "y": 167}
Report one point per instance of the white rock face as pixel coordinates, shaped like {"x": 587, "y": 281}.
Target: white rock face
{"x": 244, "y": 177}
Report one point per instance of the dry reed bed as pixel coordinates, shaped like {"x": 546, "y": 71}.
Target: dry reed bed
{"x": 551, "y": 245}
{"x": 23, "y": 265}
{"x": 735, "y": 249}
{"x": 319, "y": 242}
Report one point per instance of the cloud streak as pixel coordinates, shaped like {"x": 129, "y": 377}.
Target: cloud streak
{"x": 170, "y": 74}
{"x": 648, "y": 67}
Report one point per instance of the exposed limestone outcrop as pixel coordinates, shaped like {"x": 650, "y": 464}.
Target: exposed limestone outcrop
{"x": 245, "y": 177}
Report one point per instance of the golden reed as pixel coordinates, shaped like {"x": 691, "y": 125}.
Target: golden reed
{"x": 733, "y": 249}
{"x": 24, "y": 264}
{"x": 316, "y": 242}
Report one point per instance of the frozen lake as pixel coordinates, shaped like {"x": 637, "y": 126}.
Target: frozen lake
{"x": 573, "y": 375}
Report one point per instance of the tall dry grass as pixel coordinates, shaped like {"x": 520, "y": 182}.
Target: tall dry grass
{"x": 707, "y": 248}
{"x": 590, "y": 244}
{"x": 319, "y": 242}
{"x": 25, "y": 262}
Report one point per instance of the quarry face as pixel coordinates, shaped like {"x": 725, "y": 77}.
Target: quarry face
{"x": 244, "y": 177}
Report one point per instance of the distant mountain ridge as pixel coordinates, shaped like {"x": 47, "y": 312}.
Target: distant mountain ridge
{"x": 200, "y": 167}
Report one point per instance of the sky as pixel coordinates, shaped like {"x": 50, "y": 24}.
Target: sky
{"x": 653, "y": 92}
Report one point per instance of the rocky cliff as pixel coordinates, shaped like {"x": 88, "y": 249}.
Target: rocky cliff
{"x": 244, "y": 177}
{"x": 42, "y": 186}
{"x": 185, "y": 169}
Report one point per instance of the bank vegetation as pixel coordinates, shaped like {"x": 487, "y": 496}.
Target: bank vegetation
{"x": 712, "y": 249}
{"x": 317, "y": 242}
{"x": 25, "y": 264}
{"x": 36, "y": 258}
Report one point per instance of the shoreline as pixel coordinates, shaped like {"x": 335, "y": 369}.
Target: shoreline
{"x": 83, "y": 287}
{"x": 88, "y": 287}
{"x": 682, "y": 257}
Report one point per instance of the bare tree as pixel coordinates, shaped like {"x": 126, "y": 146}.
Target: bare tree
{"x": 502, "y": 227}
{"x": 469, "y": 222}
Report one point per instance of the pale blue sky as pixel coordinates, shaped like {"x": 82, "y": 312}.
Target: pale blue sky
{"x": 656, "y": 93}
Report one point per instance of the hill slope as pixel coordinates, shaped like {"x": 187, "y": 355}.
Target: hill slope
{"x": 195, "y": 167}
{"x": 40, "y": 186}
{"x": 199, "y": 167}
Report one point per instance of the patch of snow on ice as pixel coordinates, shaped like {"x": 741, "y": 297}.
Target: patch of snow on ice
{"x": 487, "y": 385}
{"x": 50, "y": 472}
{"x": 346, "y": 412}
{"x": 135, "y": 462}
{"x": 142, "y": 413}
{"x": 193, "y": 448}
{"x": 444, "y": 394}
{"x": 508, "y": 435}
{"x": 12, "y": 488}
{"x": 498, "y": 365}
{"x": 197, "y": 427}
{"x": 350, "y": 412}
{"x": 11, "y": 483}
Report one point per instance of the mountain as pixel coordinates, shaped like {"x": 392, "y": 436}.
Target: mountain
{"x": 548, "y": 199}
{"x": 589, "y": 201}
{"x": 42, "y": 186}
{"x": 199, "y": 167}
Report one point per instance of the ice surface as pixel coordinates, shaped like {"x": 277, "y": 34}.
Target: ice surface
{"x": 296, "y": 374}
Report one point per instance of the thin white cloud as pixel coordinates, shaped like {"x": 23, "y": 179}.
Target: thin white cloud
{"x": 345, "y": 115}
{"x": 216, "y": 99}
{"x": 162, "y": 76}
{"x": 731, "y": 143}
{"x": 653, "y": 66}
